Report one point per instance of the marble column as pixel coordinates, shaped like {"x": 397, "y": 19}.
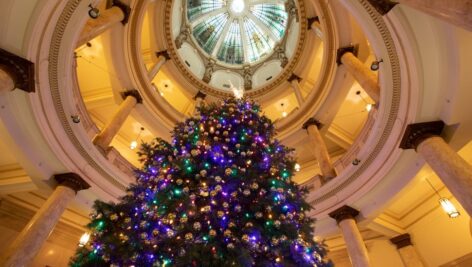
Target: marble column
{"x": 103, "y": 139}
{"x": 162, "y": 57}
{"x": 406, "y": 250}
{"x": 361, "y": 73}
{"x": 457, "y": 12}
{"x": 199, "y": 100}
{"x": 319, "y": 148}
{"x": 28, "y": 243}
{"x": 345, "y": 217}
{"x": 107, "y": 19}
{"x": 452, "y": 169}
{"x": 294, "y": 81}
{"x": 15, "y": 73}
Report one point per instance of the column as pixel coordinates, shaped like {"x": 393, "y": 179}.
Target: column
{"x": 315, "y": 26}
{"x": 104, "y": 138}
{"x": 362, "y": 74}
{"x": 199, "y": 100}
{"x": 451, "y": 168}
{"x": 15, "y": 72}
{"x": 294, "y": 81}
{"x": 28, "y": 243}
{"x": 162, "y": 57}
{"x": 457, "y": 12}
{"x": 107, "y": 19}
{"x": 321, "y": 152}
{"x": 345, "y": 217}
{"x": 406, "y": 250}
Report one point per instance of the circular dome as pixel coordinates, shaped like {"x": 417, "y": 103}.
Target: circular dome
{"x": 221, "y": 44}
{"x": 237, "y": 32}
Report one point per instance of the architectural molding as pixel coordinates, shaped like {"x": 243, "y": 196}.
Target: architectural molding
{"x": 294, "y": 77}
{"x": 71, "y": 180}
{"x": 311, "y": 20}
{"x": 354, "y": 49}
{"x": 312, "y": 121}
{"x": 124, "y": 7}
{"x": 417, "y": 132}
{"x": 163, "y": 53}
{"x": 382, "y": 6}
{"x": 401, "y": 241}
{"x": 134, "y": 93}
{"x": 343, "y": 213}
{"x": 199, "y": 94}
{"x": 21, "y": 70}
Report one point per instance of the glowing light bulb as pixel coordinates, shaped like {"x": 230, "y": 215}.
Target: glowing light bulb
{"x": 84, "y": 239}
{"x": 133, "y": 144}
{"x": 297, "y": 167}
{"x": 284, "y": 114}
{"x": 449, "y": 208}
{"x": 368, "y": 107}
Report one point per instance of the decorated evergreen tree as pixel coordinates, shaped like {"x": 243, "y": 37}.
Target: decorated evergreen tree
{"x": 220, "y": 194}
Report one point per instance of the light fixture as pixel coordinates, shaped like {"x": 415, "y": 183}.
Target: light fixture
{"x": 375, "y": 65}
{"x": 284, "y": 114}
{"x": 134, "y": 143}
{"x": 84, "y": 239}
{"x": 368, "y": 106}
{"x": 93, "y": 12}
{"x": 446, "y": 204}
{"x": 297, "y": 167}
{"x": 75, "y": 118}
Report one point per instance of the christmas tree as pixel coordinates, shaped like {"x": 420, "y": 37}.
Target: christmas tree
{"x": 220, "y": 194}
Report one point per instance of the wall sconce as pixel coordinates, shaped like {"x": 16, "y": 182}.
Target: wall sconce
{"x": 84, "y": 239}
{"x": 93, "y": 12}
{"x": 375, "y": 66}
{"x": 134, "y": 144}
{"x": 446, "y": 204}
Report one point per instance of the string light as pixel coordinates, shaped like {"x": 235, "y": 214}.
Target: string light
{"x": 84, "y": 239}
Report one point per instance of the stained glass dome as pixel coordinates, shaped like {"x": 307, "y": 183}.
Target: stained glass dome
{"x": 237, "y": 32}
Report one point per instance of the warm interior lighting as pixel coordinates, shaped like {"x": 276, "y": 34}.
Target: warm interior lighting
{"x": 297, "y": 167}
{"x": 237, "y": 6}
{"x": 446, "y": 204}
{"x": 449, "y": 208}
{"x": 368, "y": 107}
{"x": 134, "y": 144}
{"x": 284, "y": 114}
{"x": 84, "y": 239}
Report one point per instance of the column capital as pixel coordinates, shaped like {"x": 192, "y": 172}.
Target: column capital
{"x": 312, "y": 20}
{"x": 343, "y": 213}
{"x": 21, "y": 70}
{"x": 401, "y": 240}
{"x": 134, "y": 93}
{"x": 124, "y": 7}
{"x": 382, "y": 6}
{"x": 199, "y": 94}
{"x": 417, "y": 132}
{"x": 71, "y": 180}
{"x": 163, "y": 53}
{"x": 343, "y": 50}
{"x": 294, "y": 77}
{"x": 312, "y": 121}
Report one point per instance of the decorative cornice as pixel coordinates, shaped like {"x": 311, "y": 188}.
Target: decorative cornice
{"x": 163, "y": 53}
{"x": 401, "y": 241}
{"x": 343, "y": 50}
{"x": 343, "y": 213}
{"x": 311, "y": 20}
{"x": 312, "y": 121}
{"x": 199, "y": 94}
{"x": 417, "y": 132}
{"x": 294, "y": 77}
{"x": 21, "y": 70}
{"x": 134, "y": 93}
{"x": 71, "y": 180}
{"x": 382, "y": 6}
{"x": 125, "y": 8}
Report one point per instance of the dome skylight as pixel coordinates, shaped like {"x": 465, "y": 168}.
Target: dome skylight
{"x": 237, "y": 32}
